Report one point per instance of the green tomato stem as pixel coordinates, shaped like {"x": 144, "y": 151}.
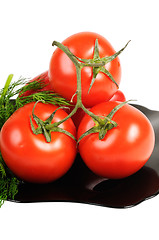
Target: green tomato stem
{"x": 79, "y": 64}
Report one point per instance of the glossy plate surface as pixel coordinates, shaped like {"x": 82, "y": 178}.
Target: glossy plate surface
{"x": 82, "y": 186}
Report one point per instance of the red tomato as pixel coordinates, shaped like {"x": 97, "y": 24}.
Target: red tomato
{"x": 118, "y": 96}
{"x": 44, "y": 79}
{"x": 62, "y": 71}
{"x": 29, "y": 156}
{"x": 124, "y": 149}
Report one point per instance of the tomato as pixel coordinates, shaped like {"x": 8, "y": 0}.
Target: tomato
{"x": 62, "y": 71}
{"x": 118, "y": 96}
{"x": 124, "y": 149}
{"x": 77, "y": 117}
{"x": 44, "y": 79}
{"x": 29, "y": 156}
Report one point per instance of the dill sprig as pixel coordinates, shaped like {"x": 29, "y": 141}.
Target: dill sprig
{"x": 10, "y": 90}
{"x": 12, "y": 97}
{"x": 8, "y": 189}
{"x": 8, "y": 183}
{"x": 44, "y": 96}
{"x": 2, "y": 167}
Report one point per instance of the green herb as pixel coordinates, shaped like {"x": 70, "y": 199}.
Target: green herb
{"x": 12, "y": 97}
{"x": 45, "y": 96}
{"x": 8, "y": 183}
{"x": 16, "y": 90}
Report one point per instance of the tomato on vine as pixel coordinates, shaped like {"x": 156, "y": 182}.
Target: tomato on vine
{"x": 32, "y": 153}
{"x": 118, "y": 147}
{"x": 100, "y": 82}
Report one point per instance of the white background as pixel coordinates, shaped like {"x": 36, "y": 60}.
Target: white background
{"x": 27, "y": 29}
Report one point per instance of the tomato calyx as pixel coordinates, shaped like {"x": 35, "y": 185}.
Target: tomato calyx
{"x": 97, "y": 63}
{"x": 102, "y": 62}
{"x": 103, "y": 124}
{"x": 46, "y": 127}
{"x": 102, "y": 128}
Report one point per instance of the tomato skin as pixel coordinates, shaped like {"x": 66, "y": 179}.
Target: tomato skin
{"x": 62, "y": 71}
{"x": 124, "y": 149}
{"x": 29, "y": 156}
{"x": 118, "y": 96}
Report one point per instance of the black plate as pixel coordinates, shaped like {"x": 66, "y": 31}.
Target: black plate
{"x": 82, "y": 186}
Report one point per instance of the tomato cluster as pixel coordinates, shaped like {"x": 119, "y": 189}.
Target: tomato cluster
{"x": 128, "y": 139}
